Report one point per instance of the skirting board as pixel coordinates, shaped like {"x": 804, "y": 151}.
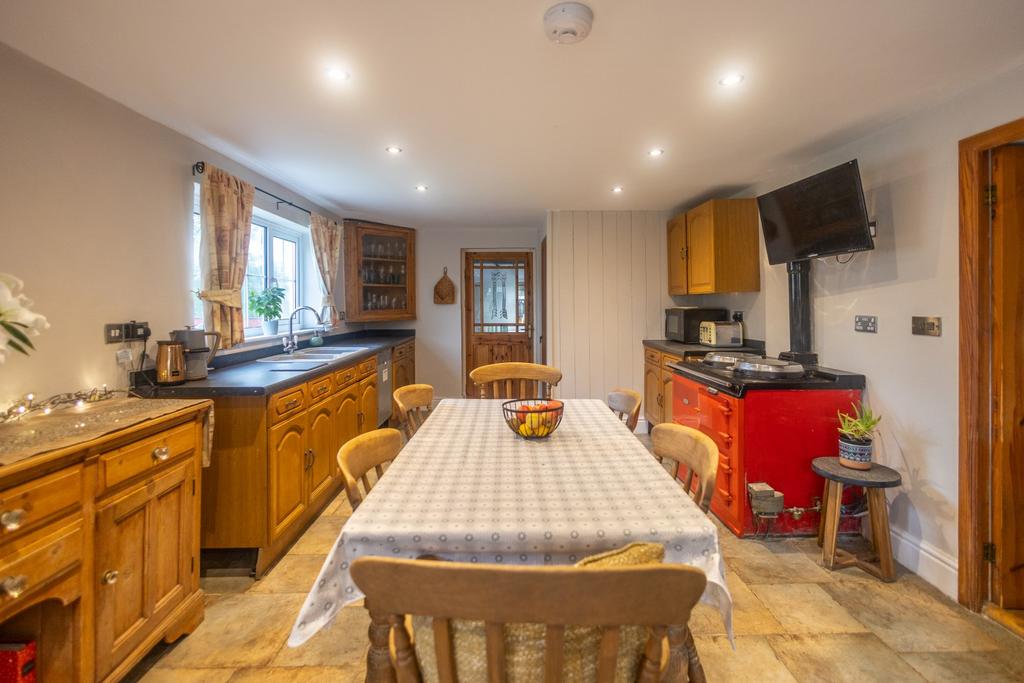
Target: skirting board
{"x": 935, "y": 566}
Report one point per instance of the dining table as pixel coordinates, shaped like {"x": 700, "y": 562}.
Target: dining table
{"x": 466, "y": 488}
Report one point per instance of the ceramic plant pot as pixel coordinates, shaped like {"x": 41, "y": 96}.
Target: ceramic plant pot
{"x": 855, "y": 453}
{"x": 270, "y": 327}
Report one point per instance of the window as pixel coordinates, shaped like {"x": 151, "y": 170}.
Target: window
{"x": 280, "y": 255}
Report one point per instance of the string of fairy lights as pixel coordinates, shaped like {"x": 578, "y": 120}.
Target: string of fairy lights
{"x": 28, "y": 404}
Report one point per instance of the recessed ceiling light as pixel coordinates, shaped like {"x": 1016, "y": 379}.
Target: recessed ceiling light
{"x": 656, "y": 152}
{"x": 337, "y": 74}
{"x": 617, "y": 189}
{"x": 731, "y": 79}
{"x": 393, "y": 149}
{"x": 421, "y": 188}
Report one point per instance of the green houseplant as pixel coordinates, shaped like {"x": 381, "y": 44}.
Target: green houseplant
{"x": 855, "y": 437}
{"x": 267, "y": 305}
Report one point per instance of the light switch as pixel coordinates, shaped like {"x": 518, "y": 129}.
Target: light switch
{"x": 929, "y": 326}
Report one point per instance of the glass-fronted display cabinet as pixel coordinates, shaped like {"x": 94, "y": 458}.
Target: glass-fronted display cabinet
{"x": 380, "y": 272}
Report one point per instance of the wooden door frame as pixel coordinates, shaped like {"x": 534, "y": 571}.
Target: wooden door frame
{"x": 976, "y": 419}
{"x": 467, "y": 299}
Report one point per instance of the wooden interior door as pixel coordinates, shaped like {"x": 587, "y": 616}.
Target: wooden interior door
{"x": 498, "y": 300}
{"x": 1006, "y": 197}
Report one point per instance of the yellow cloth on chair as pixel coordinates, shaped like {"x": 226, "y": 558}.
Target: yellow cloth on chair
{"x": 524, "y": 643}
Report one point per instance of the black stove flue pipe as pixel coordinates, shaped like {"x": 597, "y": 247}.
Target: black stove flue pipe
{"x": 800, "y": 314}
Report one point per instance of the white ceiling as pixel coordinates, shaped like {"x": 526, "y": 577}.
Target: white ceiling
{"x": 501, "y": 123}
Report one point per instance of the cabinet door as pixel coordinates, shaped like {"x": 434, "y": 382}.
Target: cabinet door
{"x": 380, "y": 272}
{"x": 288, "y": 489}
{"x": 346, "y": 415}
{"x": 700, "y": 249}
{"x": 145, "y": 545}
{"x": 666, "y": 387}
{"x": 677, "y": 255}
{"x": 405, "y": 373}
{"x": 323, "y": 447}
{"x": 653, "y": 393}
{"x": 368, "y": 404}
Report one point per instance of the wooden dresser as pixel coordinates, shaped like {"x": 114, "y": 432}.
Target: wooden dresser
{"x": 99, "y": 533}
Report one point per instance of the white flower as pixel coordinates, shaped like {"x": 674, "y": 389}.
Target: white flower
{"x": 17, "y": 320}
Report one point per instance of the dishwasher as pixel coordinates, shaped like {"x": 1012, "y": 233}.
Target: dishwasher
{"x": 383, "y": 387}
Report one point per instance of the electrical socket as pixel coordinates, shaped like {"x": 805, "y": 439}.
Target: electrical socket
{"x": 136, "y": 331}
{"x": 113, "y": 333}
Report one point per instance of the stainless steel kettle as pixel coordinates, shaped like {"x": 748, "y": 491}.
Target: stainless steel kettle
{"x": 170, "y": 362}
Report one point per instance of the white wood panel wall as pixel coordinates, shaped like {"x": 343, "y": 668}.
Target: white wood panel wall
{"x": 607, "y": 291}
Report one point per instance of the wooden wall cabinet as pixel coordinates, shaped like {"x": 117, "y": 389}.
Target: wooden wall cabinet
{"x": 657, "y": 386}
{"x": 99, "y": 558}
{"x": 380, "y": 272}
{"x": 713, "y": 248}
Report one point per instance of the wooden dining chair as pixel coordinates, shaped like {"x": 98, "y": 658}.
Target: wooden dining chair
{"x": 414, "y": 402}
{"x": 625, "y": 403}
{"x": 694, "y": 450}
{"x": 556, "y": 619}
{"x": 515, "y": 380}
{"x": 369, "y": 451}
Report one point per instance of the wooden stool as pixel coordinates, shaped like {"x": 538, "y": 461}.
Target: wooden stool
{"x": 873, "y": 480}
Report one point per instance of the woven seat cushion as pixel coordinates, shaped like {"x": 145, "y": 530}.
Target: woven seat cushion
{"x": 524, "y": 643}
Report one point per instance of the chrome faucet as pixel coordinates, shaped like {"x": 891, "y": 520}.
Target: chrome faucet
{"x": 291, "y": 342}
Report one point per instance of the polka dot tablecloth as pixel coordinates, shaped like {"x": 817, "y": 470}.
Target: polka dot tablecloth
{"x": 466, "y": 488}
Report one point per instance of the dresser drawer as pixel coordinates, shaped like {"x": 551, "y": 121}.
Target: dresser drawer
{"x": 319, "y": 388}
{"x": 652, "y": 356}
{"x": 25, "y": 507}
{"x": 31, "y": 562}
{"x": 367, "y": 367}
{"x": 345, "y": 377}
{"x": 143, "y": 456}
{"x": 287, "y": 403}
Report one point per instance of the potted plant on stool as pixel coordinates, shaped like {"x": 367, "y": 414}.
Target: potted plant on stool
{"x": 267, "y": 305}
{"x": 855, "y": 433}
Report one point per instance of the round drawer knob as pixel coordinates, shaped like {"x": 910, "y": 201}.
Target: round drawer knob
{"x": 12, "y": 519}
{"x": 109, "y": 577}
{"x": 14, "y": 585}
{"x": 161, "y": 453}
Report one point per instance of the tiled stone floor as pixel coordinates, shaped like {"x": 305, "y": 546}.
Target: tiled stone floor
{"x": 794, "y": 621}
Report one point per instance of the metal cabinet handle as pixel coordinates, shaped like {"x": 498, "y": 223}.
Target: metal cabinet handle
{"x": 11, "y": 520}
{"x": 109, "y": 577}
{"x": 291, "y": 404}
{"x": 161, "y": 453}
{"x": 14, "y": 586}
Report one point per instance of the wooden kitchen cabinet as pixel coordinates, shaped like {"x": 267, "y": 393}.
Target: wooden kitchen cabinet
{"x": 713, "y": 248}
{"x": 346, "y": 416}
{"x": 288, "y": 459}
{"x": 403, "y": 365}
{"x": 657, "y": 386}
{"x": 368, "y": 404}
{"x": 145, "y": 561}
{"x": 323, "y": 445}
{"x": 380, "y": 272}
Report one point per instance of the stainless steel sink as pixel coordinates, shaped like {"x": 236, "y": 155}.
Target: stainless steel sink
{"x": 323, "y": 354}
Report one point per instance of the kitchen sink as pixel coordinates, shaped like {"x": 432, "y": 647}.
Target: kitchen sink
{"x": 322, "y": 354}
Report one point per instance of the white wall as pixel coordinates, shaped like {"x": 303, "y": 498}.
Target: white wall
{"x": 439, "y": 326}
{"x": 910, "y": 173}
{"x": 95, "y": 216}
{"x": 607, "y": 287}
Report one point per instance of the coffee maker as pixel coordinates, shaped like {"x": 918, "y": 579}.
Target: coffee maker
{"x": 198, "y": 353}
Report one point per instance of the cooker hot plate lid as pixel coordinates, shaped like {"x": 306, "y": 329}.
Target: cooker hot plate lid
{"x": 768, "y": 368}
{"x": 727, "y": 359}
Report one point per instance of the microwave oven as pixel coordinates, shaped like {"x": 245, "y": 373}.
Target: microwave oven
{"x": 682, "y": 324}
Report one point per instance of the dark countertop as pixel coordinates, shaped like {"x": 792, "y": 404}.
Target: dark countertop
{"x": 253, "y": 378}
{"x": 683, "y": 350}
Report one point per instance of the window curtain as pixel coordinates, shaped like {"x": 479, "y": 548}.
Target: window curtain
{"x": 327, "y": 248}
{"x": 226, "y": 216}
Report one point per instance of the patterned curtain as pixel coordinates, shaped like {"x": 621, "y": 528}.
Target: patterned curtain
{"x": 226, "y": 217}
{"x": 327, "y": 247}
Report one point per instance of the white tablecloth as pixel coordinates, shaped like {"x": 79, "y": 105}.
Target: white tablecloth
{"x": 466, "y": 488}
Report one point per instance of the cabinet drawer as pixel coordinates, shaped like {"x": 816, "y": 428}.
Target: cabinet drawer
{"x": 343, "y": 378}
{"x": 367, "y": 367}
{"x": 30, "y": 563}
{"x": 666, "y": 359}
{"x": 145, "y": 455}
{"x": 319, "y": 388}
{"x": 652, "y": 356}
{"x": 287, "y": 403}
{"x": 24, "y": 507}
{"x": 403, "y": 351}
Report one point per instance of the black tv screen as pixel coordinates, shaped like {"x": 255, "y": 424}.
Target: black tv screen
{"x": 818, "y": 216}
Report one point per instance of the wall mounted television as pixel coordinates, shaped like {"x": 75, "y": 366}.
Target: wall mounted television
{"x": 822, "y": 215}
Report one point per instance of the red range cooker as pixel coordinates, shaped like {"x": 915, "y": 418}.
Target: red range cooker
{"x": 770, "y": 418}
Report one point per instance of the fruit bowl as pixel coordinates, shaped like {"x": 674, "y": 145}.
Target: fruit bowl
{"x": 533, "y": 418}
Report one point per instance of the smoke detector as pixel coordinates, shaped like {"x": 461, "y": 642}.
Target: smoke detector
{"x": 568, "y": 22}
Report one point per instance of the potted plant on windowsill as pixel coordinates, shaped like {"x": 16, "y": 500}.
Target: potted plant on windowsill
{"x": 267, "y": 305}
{"x": 855, "y": 432}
